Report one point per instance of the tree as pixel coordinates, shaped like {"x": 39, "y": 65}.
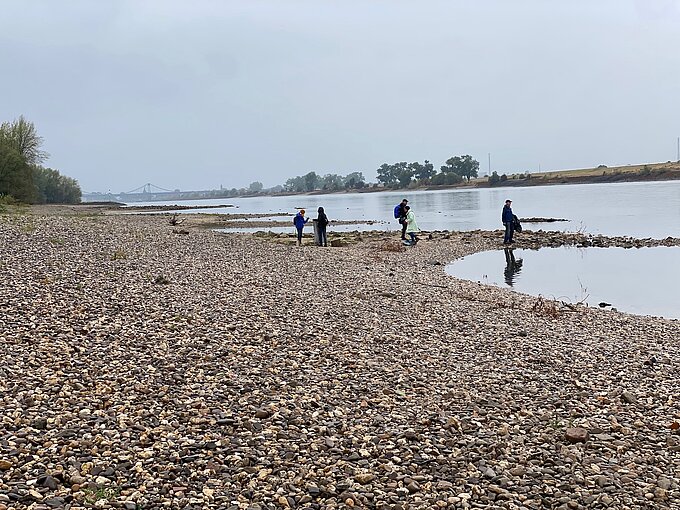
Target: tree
{"x": 312, "y": 181}
{"x": 22, "y": 136}
{"x": 403, "y": 173}
{"x": 422, "y": 172}
{"x": 386, "y": 175}
{"x": 494, "y": 178}
{"x": 16, "y": 175}
{"x": 54, "y": 188}
{"x": 464, "y": 166}
{"x": 354, "y": 180}
{"x": 255, "y": 187}
{"x": 331, "y": 182}
{"x": 295, "y": 184}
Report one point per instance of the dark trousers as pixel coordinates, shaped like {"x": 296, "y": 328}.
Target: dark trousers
{"x": 322, "y": 236}
{"x": 403, "y": 228}
{"x": 509, "y": 229}
{"x": 299, "y": 232}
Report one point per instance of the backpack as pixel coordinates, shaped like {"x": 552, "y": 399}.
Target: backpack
{"x": 516, "y": 225}
{"x": 397, "y": 210}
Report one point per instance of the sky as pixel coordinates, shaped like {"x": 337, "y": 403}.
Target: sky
{"x": 206, "y": 93}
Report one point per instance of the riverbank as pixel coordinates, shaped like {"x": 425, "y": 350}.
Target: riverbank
{"x": 145, "y": 366}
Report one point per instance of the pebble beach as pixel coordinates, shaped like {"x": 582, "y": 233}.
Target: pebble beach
{"x": 149, "y": 366}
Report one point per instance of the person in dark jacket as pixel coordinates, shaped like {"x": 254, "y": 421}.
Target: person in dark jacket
{"x": 402, "y": 218}
{"x": 321, "y": 223}
{"x": 508, "y": 221}
{"x": 300, "y": 221}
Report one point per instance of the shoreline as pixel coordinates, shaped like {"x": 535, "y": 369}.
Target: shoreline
{"x": 653, "y": 172}
{"x": 142, "y": 368}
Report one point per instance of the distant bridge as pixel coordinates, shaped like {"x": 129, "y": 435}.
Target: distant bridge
{"x": 149, "y": 188}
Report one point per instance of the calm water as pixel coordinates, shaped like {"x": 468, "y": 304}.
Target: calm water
{"x": 633, "y": 209}
{"x": 643, "y": 281}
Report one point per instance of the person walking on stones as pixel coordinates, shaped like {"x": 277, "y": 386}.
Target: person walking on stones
{"x": 400, "y": 215}
{"x": 411, "y": 225}
{"x": 299, "y": 222}
{"x": 509, "y": 221}
{"x": 321, "y": 223}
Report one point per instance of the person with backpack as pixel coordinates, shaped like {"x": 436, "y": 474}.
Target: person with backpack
{"x": 299, "y": 222}
{"x": 400, "y": 215}
{"x": 321, "y": 223}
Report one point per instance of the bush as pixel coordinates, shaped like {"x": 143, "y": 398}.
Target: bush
{"x": 442, "y": 179}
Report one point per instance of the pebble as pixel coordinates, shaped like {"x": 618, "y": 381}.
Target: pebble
{"x": 263, "y": 375}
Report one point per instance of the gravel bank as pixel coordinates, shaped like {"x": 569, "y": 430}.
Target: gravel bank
{"x": 143, "y": 369}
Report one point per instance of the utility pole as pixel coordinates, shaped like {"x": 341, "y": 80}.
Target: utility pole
{"x": 489, "y": 164}
{"x": 678, "y": 149}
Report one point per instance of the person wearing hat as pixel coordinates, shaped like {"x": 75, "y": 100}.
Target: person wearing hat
{"x": 299, "y": 222}
{"x": 509, "y": 222}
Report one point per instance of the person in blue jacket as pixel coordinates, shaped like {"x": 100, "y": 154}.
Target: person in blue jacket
{"x": 299, "y": 222}
{"x": 509, "y": 222}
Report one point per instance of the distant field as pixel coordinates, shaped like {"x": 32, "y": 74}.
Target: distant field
{"x": 597, "y": 171}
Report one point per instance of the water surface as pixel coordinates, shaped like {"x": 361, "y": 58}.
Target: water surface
{"x": 639, "y": 209}
{"x": 643, "y": 281}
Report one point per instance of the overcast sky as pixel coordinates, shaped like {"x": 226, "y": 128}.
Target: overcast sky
{"x": 198, "y": 94}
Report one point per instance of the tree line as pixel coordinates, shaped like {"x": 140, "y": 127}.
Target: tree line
{"x": 404, "y": 174}
{"x": 22, "y": 177}
{"x": 394, "y": 175}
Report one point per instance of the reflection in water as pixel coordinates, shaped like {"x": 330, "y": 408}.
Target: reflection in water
{"x": 512, "y": 266}
{"x": 642, "y": 281}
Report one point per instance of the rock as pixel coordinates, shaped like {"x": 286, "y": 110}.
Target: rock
{"x": 664, "y": 482}
{"x": 48, "y": 481}
{"x": 364, "y": 478}
{"x": 576, "y": 435}
{"x": 262, "y": 413}
{"x": 628, "y": 397}
{"x": 5, "y": 465}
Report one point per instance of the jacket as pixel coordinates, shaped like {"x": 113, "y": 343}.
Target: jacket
{"x": 300, "y": 221}
{"x": 411, "y": 225}
{"x": 322, "y": 219}
{"x": 507, "y": 214}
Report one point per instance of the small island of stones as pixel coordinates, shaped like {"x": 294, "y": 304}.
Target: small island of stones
{"x": 149, "y": 366}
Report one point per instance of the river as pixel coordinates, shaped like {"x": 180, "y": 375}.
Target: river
{"x": 638, "y": 209}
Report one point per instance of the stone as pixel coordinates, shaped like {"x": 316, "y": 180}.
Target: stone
{"x": 628, "y": 397}
{"x": 576, "y": 435}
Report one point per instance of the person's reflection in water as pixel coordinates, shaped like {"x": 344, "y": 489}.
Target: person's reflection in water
{"x": 512, "y": 266}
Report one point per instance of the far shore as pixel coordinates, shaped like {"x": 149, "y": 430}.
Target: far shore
{"x": 651, "y": 172}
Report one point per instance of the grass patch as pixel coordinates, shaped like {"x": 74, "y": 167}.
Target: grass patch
{"x": 100, "y": 493}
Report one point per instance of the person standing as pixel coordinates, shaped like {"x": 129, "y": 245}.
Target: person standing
{"x": 400, "y": 214}
{"x": 509, "y": 222}
{"x": 321, "y": 223}
{"x": 299, "y": 222}
{"x": 411, "y": 225}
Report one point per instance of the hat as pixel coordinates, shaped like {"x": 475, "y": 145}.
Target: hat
{"x": 508, "y": 200}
